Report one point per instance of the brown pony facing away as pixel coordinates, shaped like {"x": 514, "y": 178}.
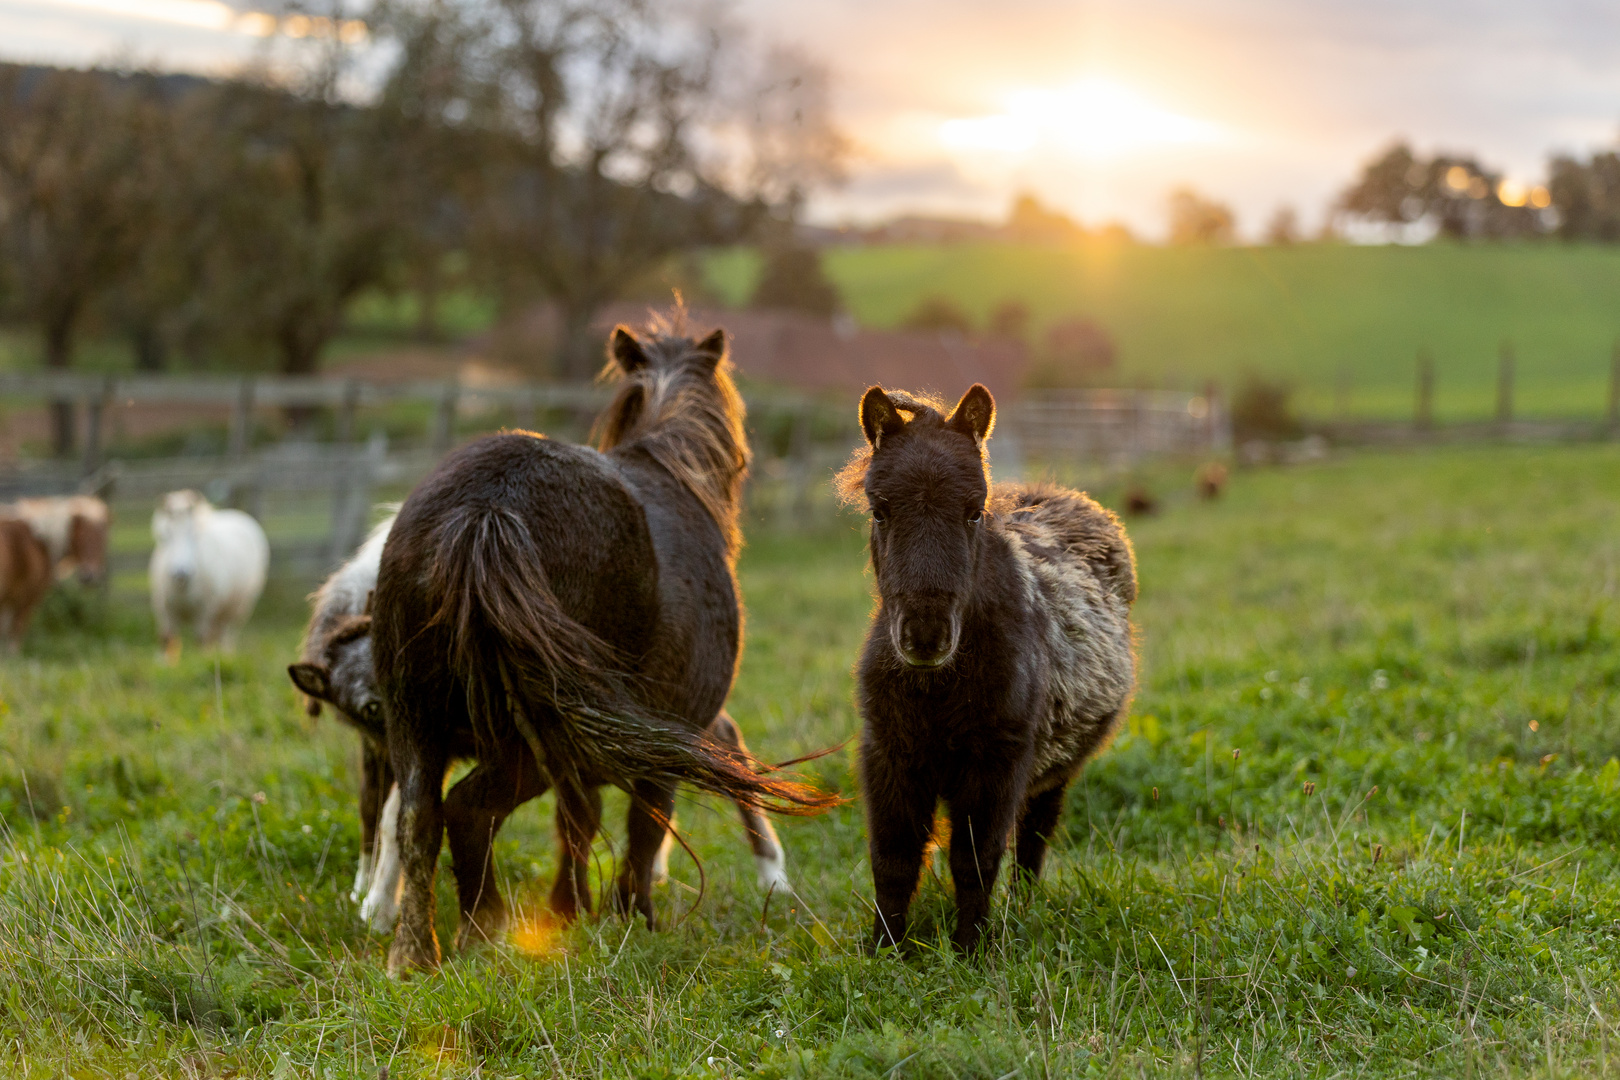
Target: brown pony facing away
{"x": 25, "y": 578}
{"x": 999, "y": 658}
{"x": 554, "y": 611}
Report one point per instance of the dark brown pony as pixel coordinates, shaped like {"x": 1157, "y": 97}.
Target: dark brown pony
{"x": 999, "y": 658}
{"x": 555, "y": 611}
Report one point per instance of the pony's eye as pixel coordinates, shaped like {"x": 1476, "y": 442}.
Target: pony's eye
{"x": 975, "y": 515}
{"x": 880, "y": 512}
{"x": 372, "y": 710}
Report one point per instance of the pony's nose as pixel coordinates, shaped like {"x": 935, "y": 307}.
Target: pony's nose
{"x": 925, "y": 641}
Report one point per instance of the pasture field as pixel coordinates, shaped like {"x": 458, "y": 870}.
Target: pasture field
{"x": 1311, "y": 313}
{"x": 1362, "y": 821}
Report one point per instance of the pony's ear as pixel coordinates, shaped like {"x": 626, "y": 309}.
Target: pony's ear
{"x": 625, "y": 350}
{"x": 975, "y": 415}
{"x": 879, "y": 417}
{"x": 313, "y": 679}
{"x": 371, "y": 594}
{"x": 713, "y": 347}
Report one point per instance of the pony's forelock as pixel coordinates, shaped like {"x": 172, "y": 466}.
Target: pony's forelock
{"x": 850, "y": 483}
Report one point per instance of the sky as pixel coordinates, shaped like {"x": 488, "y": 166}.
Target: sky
{"x": 1100, "y": 107}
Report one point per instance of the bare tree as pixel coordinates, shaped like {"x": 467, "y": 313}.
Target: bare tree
{"x": 1197, "y": 220}
{"x": 75, "y": 198}
{"x": 1283, "y": 228}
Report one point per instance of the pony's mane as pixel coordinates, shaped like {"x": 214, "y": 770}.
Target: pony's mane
{"x": 850, "y": 483}
{"x": 684, "y": 411}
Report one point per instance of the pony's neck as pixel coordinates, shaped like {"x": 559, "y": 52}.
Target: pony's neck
{"x": 693, "y": 427}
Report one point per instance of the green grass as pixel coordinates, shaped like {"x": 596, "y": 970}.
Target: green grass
{"x": 1310, "y": 313}
{"x": 1441, "y": 627}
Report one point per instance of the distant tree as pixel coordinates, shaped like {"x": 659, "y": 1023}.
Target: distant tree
{"x": 302, "y": 214}
{"x": 618, "y": 145}
{"x": 1195, "y": 220}
{"x": 1080, "y": 345}
{"x": 1262, "y": 408}
{"x": 428, "y": 91}
{"x": 1283, "y": 228}
{"x": 792, "y": 278}
{"x": 1075, "y": 352}
{"x": 1010, "y": 320}
{"x": 1586, "y": 196}
{"x": 1461, "y": 196}
{"x": 1031, "y": 222}
{"x": 75, "y": 202}
{"x": 941, "y": 314}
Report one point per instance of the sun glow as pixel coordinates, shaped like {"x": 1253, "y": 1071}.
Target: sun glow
{"x": 533, "y": 936}
{"x": 1091, "y": 119}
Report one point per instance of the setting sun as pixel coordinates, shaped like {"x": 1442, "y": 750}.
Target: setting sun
{"x": 1095, "y": 118}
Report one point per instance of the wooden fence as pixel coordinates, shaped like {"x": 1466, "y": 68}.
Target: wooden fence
{"x": 316, "y": 498}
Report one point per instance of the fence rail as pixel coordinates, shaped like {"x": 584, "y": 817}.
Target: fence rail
{"x": 315, "y": 498}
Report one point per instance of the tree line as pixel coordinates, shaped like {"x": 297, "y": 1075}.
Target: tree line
{"x": 555, "y": 149}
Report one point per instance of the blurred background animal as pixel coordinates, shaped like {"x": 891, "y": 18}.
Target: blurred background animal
{"x": 25, "y": 578}
{"x": 1139, "y": 502}
{"x": 1210, "y": 480}
{"x": 207, "y": 570}
{"x": 74, "y": 530}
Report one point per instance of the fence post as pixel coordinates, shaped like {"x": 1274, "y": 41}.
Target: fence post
{"x": 95, "y": 407}
{"x": 444, "y": 424}
{"x": 347, "y": 410}
{"x": 1424, "y": 417}
{"x": 351, "y": 501}
{"x": 242, "y": 421}
{"x": 799, "y": 446}
{"x": 1614, "y": 392}
{"x": 524, "y": 412}
{"x": 1504, "y": 386}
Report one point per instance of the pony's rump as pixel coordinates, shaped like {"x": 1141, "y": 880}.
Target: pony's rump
{"x": 531, "y": 669}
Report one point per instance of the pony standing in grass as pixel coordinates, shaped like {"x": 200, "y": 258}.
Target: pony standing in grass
{"x": 999, "y": 659}
{"x": 553, "y": 611}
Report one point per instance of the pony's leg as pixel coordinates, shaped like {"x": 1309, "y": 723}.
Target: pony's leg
{"x": 8, "y": 623}
{"x": 579, "y": 815}
{"x": 660, "y": 863}
{"x": 474, "y": 811}
{"x": 769, "y": 860}
{"x": 899, "y": 825}
{"x": 373, "y": 759}
{"x": 420, "y": 766}
{"x": 983, "y": 812}
{"x": 1041, "y": 813}
{"x": 380, "y": 907}
{"x": 651, "y": 806}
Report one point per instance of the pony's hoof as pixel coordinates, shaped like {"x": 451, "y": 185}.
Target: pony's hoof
{"x": 482, "y": 928}
{"x": 627, "y": 904}
{"x": 406, "y": 957}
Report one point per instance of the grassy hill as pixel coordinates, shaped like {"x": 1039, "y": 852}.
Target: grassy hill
{"x": 1312, "y": 314}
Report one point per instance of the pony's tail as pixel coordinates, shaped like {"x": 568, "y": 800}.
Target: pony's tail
{"x": 528, "y": 666}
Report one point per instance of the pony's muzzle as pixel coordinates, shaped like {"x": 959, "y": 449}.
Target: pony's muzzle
{"x": 925, "y": 639}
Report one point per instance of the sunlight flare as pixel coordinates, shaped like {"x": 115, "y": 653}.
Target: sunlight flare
{"x": 1095, "y": 118}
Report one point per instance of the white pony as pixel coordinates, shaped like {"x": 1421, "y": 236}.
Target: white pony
{"x": 207, "y": 571}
